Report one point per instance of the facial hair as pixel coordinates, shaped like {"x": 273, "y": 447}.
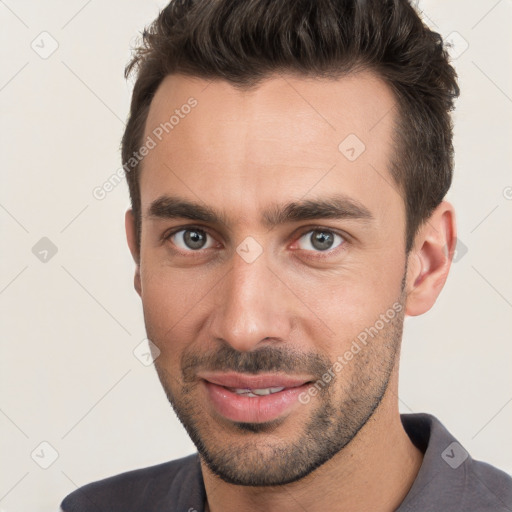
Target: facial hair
{"x": 262, "y": 454}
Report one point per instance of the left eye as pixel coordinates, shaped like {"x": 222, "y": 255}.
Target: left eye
{"x": 320, "y": 240}
{"x": 192, "y": 239}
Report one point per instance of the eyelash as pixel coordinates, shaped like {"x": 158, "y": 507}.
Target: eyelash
{"x": 309, "y": 229}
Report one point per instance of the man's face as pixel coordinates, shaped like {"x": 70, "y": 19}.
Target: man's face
{"x": 265, "y": 295}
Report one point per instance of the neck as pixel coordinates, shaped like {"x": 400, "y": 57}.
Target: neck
{"x": 373, "y": 472}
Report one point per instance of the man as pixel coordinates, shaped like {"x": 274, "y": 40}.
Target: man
{"x": 287, "y": 164}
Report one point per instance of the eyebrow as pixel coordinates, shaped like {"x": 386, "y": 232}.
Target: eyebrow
{"x": 333, "y": 207}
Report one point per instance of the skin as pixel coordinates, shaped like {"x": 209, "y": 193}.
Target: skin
{"x": 239, "y": 152}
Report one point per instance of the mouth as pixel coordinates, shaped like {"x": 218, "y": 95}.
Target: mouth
{"x": 253, "y": 398}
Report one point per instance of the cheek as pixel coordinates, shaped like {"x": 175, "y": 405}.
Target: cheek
{"x": 348, "y": 302}
{"x": 173, "y": 302}
{"x": 163, "y": 308}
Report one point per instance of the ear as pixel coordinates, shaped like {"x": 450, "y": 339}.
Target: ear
{"x": 131, "y": 237}
{"x": 430, "y": 259}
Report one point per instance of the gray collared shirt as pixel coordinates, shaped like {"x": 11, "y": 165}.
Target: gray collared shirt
{"x": 449, "y": 480}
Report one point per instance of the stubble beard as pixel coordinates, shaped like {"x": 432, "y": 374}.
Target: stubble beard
{"x": 264, "y": 454}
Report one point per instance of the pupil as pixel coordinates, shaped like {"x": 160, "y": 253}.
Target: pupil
{"x": 195, "y": 239}
{"x": 322, "y": 240}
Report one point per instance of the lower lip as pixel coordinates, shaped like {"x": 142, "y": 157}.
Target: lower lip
{"x": 258, "y": 409}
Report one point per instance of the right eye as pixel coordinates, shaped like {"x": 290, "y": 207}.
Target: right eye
{"x": 191, "y": 239}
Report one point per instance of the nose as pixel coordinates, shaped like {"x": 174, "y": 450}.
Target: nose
{"x": 251, "y": 305}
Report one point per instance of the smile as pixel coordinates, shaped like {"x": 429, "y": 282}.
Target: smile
{"x": 253, "y": 398}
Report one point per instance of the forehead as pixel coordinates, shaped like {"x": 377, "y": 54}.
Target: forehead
{"x": 288, "y": 137}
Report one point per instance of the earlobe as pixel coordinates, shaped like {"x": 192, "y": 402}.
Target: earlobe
{"x": 430, "y": 259}
{"x": 131, "y": 237}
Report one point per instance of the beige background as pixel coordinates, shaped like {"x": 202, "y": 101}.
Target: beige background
{"x": 68, "y": 374}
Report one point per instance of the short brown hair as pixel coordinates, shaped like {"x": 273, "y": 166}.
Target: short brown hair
{"x": 245, "y": 41}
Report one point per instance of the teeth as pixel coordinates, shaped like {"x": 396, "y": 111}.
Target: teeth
{"x": 256, "y": 392}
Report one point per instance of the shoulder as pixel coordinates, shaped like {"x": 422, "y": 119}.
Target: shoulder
{"x": 489, "y": 487}
{"x": 449, "y": 478}
{"x": 145, "y": 489}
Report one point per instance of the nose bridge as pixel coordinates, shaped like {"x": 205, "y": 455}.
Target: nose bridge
{"x": 250, "y": 305}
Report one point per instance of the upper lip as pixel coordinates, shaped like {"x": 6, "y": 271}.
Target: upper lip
{"x": 259, "y": 381}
